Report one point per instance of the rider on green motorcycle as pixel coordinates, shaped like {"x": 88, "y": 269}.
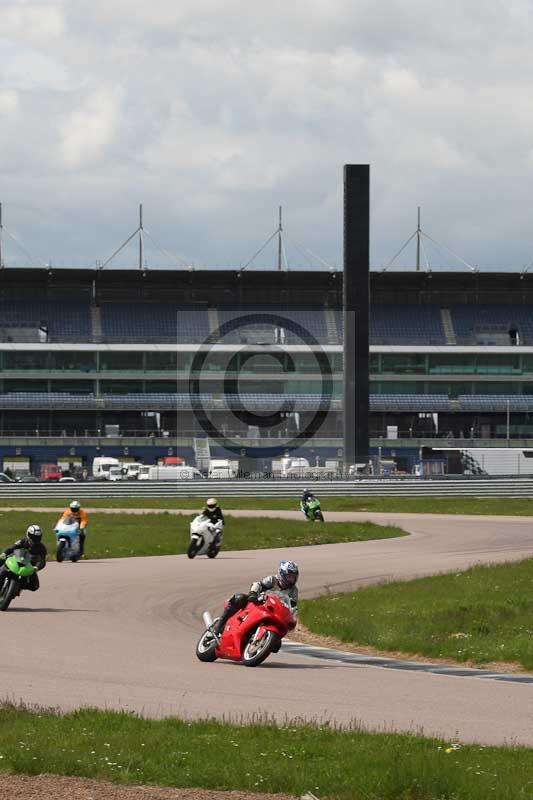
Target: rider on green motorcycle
{"x": 308, "y": 500}
{"x": 33, "y": 544}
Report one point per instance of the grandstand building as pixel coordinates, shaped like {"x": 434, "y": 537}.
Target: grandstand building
{"x": 248, "y": 364}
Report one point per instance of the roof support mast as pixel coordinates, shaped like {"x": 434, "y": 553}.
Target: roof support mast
{"x": 141, "y": 238}
{"x": 418, "y": 233}
{"x": 280, "y": 242}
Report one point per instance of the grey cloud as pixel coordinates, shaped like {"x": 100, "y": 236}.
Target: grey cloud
{"x": 213, "y": 116}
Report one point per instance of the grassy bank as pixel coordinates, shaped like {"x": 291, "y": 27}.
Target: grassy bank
{"x": 482, "y": 615}
{"x": 120, "y": 535}
{"x": 294, "y": 759}
{"x": 514, "y": 506}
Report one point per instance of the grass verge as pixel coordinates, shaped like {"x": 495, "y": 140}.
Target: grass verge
{"x": 122, "y": 535}
{"x": 479, "y": 616}
{"x": 512, "y": 506}
{"x": 294, "y": 759}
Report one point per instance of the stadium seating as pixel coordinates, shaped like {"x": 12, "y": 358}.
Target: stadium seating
{"x": 406, "y": 323}
{"x": 154, "y": 322}
{"x": 492, "y": 324}
{"x": 63, "y": 320}
{"x": 398, "y": 324}
{"x": 309, "y": 321}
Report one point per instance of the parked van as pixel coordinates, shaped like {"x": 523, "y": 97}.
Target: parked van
{"x": 222, "y": 468}
{"x": 50, "y": 472}
{"x": 155, "y": 473}
{"x": 114, "y": 474}
{"x": 102, "y": 465}
{"x": 131, "y": 470}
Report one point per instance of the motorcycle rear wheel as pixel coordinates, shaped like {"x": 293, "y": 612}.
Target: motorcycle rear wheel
{"x": 213, "y": 551}
{"x": 10, "y": 590}
{"x": 319, "y": 516}
{"x": 205, "y": 649}
{"x": 256, "y": 652}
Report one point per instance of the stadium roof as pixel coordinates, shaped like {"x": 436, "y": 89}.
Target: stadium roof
{"x": 216, "y": 286}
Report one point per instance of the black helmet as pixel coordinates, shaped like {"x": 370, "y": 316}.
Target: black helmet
{"x": 34, "y": 533}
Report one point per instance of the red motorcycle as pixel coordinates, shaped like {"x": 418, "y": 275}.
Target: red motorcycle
{"x": 250, "y": 635}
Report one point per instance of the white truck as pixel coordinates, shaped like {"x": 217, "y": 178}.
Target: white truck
{"x": 130, "y": 470}
{"x": 102, "y": 465}
{"x": 222, "y": 468}
{"x": 149, "y": 472}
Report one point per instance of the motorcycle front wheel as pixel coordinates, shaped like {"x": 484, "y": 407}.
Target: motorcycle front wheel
{"x": 192, "y": 549}
{"x": 256, "y": 651}
{"x": 10, "y": 590}
{"x": 60, "y": 551}
{"x": 205, "y": 649}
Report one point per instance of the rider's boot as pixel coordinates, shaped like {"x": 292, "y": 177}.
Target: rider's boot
{"x": 218, "y": 629}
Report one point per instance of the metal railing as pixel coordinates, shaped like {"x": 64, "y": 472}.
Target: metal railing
{"x": 283, "y": 487}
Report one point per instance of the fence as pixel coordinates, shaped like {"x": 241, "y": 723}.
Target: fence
{"x": 387, "y": 487}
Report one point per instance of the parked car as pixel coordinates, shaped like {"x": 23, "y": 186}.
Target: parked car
{"x": 67, "y": 479}
{"x": 27, "y": 479}
{"x": 5, "y": 478}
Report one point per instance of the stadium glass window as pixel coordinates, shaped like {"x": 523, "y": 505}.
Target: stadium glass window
{"x": 121, "y": 361}
{"x": 312, "y": 387}
{"x": 497, "y": 364}
{"x": 401, "y": 387}
{"x": 527, "y": 364}
{"x": 161, "y": 362}
{"x": 27, "y": 360}
{"x": 305, "y": 363}
{"x": 373, "y": 364}
{"x": 264, "y": 387}
{"x": 403, "y": 363}
{"x": 496, "y": 387}
{"x": 72, "y": 387}
{"x": 25, "y": 386}
{"x": 121, "y": 387}
{"x": 266, "y": 364}
{"x": 72, "y": 361}
{"x": 337, "y": 360}
{"x": 452, "y": 363}
{"x": 160, "y": 387}
{"x": 451, "y": 388}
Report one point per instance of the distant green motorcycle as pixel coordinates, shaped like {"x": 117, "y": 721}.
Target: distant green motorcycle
{"x": 14, "y": 576}
{"x": 311, "y": 509}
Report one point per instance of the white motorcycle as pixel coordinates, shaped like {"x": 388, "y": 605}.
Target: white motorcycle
{"x": 206, "y": 537}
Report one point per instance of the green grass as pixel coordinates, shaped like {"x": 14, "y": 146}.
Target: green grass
{"x": 482, "y": 615}
{"x": 513, "y": 506}
{"x": 120, "y": 535}
{"x": 294, "y": 759}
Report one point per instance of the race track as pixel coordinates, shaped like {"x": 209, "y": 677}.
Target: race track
{"x": 121, "y": 634}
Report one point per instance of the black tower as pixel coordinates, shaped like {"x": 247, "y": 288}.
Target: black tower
{"x": 356, "y": 311}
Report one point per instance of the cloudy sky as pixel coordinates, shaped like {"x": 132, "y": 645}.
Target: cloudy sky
{"x": 213, "y": 114}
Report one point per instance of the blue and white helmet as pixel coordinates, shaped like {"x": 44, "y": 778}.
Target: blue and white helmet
{"x": 287, "y": 574}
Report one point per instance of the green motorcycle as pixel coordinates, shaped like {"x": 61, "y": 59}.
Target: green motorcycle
{"x": 311, "y": 509}
{"x": 14, "y": 575}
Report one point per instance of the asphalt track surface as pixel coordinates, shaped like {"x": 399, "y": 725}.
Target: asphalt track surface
{"x": 121, "y": 634}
